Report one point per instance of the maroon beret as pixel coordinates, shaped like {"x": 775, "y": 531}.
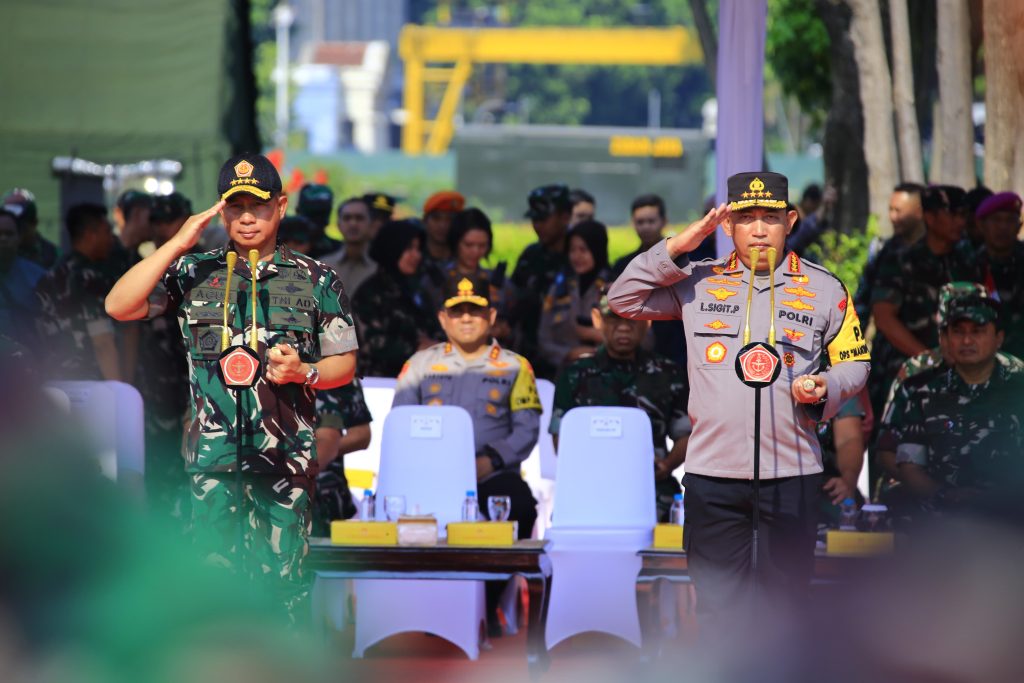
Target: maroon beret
{"x": 1001, "y": 201}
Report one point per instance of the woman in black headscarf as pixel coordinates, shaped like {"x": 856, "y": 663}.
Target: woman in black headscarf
{"x": 394, "y": 317}
{"x": 566, "y": 332}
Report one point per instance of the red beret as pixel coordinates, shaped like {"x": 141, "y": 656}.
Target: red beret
{"x": 448, "y": 200}
{"x": 1001, "y": 201}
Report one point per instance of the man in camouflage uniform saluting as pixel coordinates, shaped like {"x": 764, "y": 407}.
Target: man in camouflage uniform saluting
{"x": 307, "y": 342}
{"x": 621, "y": 373}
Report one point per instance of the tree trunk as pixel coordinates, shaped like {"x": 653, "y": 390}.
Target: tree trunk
{"x": 876, "y": 105}
{"x": 845, "y": 169}
{"x": 954, "y": 163}
{"x": 911, "y": 165}
{"x": 708, "y": 36}
{"x": 1004, "y": 93}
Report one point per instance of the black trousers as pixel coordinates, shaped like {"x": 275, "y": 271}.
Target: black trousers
{"x": 524, "y": 511}
{"x": 719, "y": 523}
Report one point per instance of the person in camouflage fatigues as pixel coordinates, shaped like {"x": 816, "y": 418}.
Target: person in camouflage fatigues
{"x": 77, "y": 338}
{"x": 306, "y": 340}
{"x": 396, "y": 315}
{"x": 1001, "y": 262}
{"x": 343, "y": 421}
{"x": 536, "y": 269}
{"x": 621, "y": 373}
{"x": 958, "y": 434}
{"x": 906, "y": 294}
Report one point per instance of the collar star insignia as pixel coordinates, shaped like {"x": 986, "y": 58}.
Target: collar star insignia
{"x": 721, "y": 293}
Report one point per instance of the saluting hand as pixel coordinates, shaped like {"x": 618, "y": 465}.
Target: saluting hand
{"x": 803, "y": 395}
{"x": 188, "y": 234}
{"x": 690, "y": 238}
{"x": 284, "y": 366}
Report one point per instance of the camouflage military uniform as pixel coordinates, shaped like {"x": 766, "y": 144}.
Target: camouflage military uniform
{"x": 535, "y": 270}
{"x": 300, "y": 302}
{"x": 564, "y": 307}
{"x": 1005, "y": 281}
{"x": 341, "y": 408}
{"x": 70, "y": 300}
{"x": 391, "y": 316}
{"x": 964, "y": 436}
{"x": 654, "y": 384}
{"x": 911, "y": 280}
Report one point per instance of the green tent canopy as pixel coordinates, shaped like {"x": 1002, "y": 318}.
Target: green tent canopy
{"x": 122, "y": 81}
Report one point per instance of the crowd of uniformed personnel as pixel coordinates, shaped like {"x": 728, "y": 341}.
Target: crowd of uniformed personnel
{"x": 940, "y": 415}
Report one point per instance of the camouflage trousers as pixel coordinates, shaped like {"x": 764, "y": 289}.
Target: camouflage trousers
{"x": 277, "y": 518}
{"x": 167, "y": 483}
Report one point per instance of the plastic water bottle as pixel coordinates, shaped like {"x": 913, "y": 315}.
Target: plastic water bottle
{"x": 848, "y": 515}
{"x": 470, "y": 508}
{"x": 676, "y": 513}
{"x": 366, "y": 507}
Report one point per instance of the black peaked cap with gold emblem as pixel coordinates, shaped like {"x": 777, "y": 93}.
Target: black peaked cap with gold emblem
{"x": 252, "y": 173}
{"x": 473, "y": 289}
{"x": 761, "y": 189}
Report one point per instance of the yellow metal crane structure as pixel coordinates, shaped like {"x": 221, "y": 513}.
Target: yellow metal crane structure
{"x": 447, "y": 56}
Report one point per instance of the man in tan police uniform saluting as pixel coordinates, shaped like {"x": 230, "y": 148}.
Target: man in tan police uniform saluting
{"x": 814, "y": 322}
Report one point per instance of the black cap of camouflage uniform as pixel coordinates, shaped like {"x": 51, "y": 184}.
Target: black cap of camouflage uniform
{"x": 250, "y": 173}
{"x": 21, "y": 203}
{"x": 948, "y": 197}
{"x": 170, "y": 207}
{"x": 546, "y": 200}
{"x": 470, "y": 289}
{"x": 315, "y": 203}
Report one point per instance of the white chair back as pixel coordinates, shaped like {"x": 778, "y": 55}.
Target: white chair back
{"x": 112, "y": 414}
{"x": 605, "y": 473}
{"x": 428, "y": 456}
{"x": 379, "y": 392}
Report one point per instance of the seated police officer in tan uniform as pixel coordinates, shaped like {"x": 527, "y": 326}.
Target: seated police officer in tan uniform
{"x": 496, "y": 387}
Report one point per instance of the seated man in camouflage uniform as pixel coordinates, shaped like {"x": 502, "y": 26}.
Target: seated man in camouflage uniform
{"x": 306, "y": 339}
{"x": 934, "y": 361}
{"x": 958, "y": 435}
{"x": 621, "y": 373}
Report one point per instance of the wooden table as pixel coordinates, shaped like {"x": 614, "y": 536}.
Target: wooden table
{"x": 445, "y": 562}
{"x": 671, "y": 565}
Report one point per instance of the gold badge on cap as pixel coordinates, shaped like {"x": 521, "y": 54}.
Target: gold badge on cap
{"x": 465, "y": 287}
{"x": 243, "y": 169}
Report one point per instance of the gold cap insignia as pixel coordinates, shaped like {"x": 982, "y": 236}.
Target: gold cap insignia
{"x": 756, "y": 185}
{"x": 243, "y": 169}
{"x": 465, "y": 287}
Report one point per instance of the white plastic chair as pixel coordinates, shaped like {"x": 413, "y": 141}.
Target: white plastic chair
{"x": 112, "y": 414}
{"x": 539, "y": 468}
{"x": 604, "y": 514}
{"x": 428, "y": 456}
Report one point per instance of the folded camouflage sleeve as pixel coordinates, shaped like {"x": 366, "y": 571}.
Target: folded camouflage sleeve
{"x": 337, "y": 329}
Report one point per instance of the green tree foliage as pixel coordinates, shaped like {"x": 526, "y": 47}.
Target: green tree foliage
{"x": 797, "y": 49}
{"x": 264, "y": 59}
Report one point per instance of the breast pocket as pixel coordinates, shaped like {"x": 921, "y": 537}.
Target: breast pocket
{"x": 717, "y": 337}
{"x": 294, "y": 328}
{"x": 205, "y": 330}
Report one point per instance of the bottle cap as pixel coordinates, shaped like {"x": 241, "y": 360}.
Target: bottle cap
{"x": 367, "y": 492}
{"x": 849, "y": 501}
{"x": 471, "y": 493}
{"x": 678, "y": 496}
